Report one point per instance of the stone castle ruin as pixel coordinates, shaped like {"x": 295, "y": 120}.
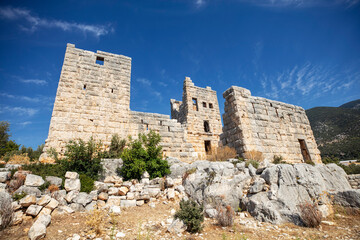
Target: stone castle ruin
{"x": 93, "y": 99}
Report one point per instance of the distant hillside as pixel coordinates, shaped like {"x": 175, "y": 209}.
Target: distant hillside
{"x": 337, "y": 129}
{"x": 353, "y": 104}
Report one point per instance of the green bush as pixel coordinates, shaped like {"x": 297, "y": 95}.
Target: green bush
{"x": 44, "y": 186}
{"x": 351, "y": 169}
{"x": 18, "y": 196}
{"x": 278, "y": 159}
{"x": 87, "y": 183}
{"x": 254, "y": 163}
{"x": 83, "y": 157}
{"x": 44, "y": 170}
{"x": 116, "y": 147}
{"x": 144, "y": 154}
{"x": 191, "y": 214}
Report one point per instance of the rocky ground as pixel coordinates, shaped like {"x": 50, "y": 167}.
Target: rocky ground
{"x": 146, "y": 222}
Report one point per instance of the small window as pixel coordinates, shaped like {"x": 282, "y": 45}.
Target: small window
{"x": 160, "y": 123}
{"x": 204, "y": 104}
{"x": 147, "y": 126}
{"x": 208, "y": 147}
{"x": 84, "y": 88}
{"x": 168, "y": 129}
{"x": 210, "y": 105}
{"x": 99, "y": 60}
{"x": 112, "y": 90}
{"x": 206, "y": 126}
{"x": 195, "y": 104}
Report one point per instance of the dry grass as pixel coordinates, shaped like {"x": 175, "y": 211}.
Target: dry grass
{"x": 19, "y": 159}
{"x": 17, "y": 182}
{"x": 95, "y": 219}
{"x": 225, "y": 216}
{"x": 254, "y": 155}
{"x": 222, "y": 154}
{"x": 53, "y": 188}
{"x": 310, "y": 214}
{"x": 6, "y": 210}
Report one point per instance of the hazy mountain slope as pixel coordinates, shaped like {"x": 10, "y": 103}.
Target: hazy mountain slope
{"x": 337, "y": 130}
{"x": 353, "y": 105}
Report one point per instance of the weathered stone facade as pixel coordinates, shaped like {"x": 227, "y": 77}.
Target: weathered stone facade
{"x": 354, "y": 181}
{"x": 93, "y": 99}
{"x": 270, "y": 127}
{"x": 199, "y": 114}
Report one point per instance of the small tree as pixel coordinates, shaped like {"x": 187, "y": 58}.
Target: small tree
{"x": 117, "y": 146}
{"x": 191, "y": 214}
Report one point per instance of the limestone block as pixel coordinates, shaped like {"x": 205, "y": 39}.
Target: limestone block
{"x": 33, "y": 210}
{"x": 43, "y": 200}
{"x": 33, "y": 180}
{"x": 27, "y": 200}
{"x": 72, "y": 184}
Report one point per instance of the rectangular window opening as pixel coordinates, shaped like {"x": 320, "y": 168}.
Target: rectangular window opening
{"x": 195, "y": 104}
{"x": 84, "y": 87}
{"x": 210, "y": 105}
{"x": 100, "y": 60}
{"x": 112, "y": 90}
{"x": 208, "y": 147}
{"x": 160, "y": 123}
{"x": 206, "y": 126}
{"x": 168, "y": 129}
{"x": 204, "y": 104}
{"x": 147, "y": 126}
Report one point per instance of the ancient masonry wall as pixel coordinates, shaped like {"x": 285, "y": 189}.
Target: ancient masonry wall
{"x": 199, "y": 114}
{"x": 93, "y": 99}
{"x": 271, "y": 127}
{"x": 354, "y": 181}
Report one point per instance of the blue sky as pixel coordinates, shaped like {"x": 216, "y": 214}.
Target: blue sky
{"x": 303, "y": 52}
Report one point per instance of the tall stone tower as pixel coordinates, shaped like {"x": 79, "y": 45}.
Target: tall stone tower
{"x": 92, "y": 99}
{"x": 199, "y": 114}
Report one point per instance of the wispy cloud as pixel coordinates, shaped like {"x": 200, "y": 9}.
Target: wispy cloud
{"x": 34, "y": 81}
{"x": 37, "y": 99}
{"x": 308, "y": 81}
{"x": 21, "y": 111}
{"x": 24, "y": 124}
{"x": 33, "y": 22}
{"x": 199, "y": 3}
{"x": 143, "y": 81}
{"x": 301, "y": 3}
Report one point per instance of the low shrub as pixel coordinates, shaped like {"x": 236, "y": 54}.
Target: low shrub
{"x": 18, "y": 196}
{"x": 87, "y": 183}
{"x": 44, "y": 186}
{"x": 225, "y": 215}
{"x": 254, "y": 155}
{"x": 44, "y": 170}
{"x": 351, "y": 169}
{"x": 278, "y": 159}
{"x": 254, "y": 163}
{"x": 95, "y": 220}
{"x": 310, "y": 214}
{"x": 222, "y": 154}
{"x": 6, "y": 210}
{"x": 116, "y": 148}
{"x": 191, "y": 214}
{"x": 17, "y": 182}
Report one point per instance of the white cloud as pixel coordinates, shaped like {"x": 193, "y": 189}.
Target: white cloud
{"x": 308, "y": 81}
{"x": 143, "y": 81}
{"x": 33, "y": 22}
{"x": 21, "y": 111}
{"x": 23, "y": 124}
{"x": 199, "y": 3}
{"x": 34, "y": 81}
{"x": 23, "y": 98}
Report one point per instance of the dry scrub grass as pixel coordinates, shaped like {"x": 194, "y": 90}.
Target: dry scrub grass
{"x": 225, "y": 215}
{"x": 222, "y": 154}
{"x": 310, "y": 214}
{"x": 95, "y": 219}
{"x": 17, "y": 182}
{"x": 254, "y": 155}
{"x": 6, "y": 210}
{"x": 53, "y": 188}
{"x": 19, "y": 159}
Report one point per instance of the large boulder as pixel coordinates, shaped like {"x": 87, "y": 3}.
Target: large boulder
{"x": 109, "y": 167}
{"x": 348, "y": 198}
{"x": 34, "y": 180}
{"x": 29, "y": 190}
{"x": 4, "y": 176}
{"x": 72, "y": 185}
{"x": 54, "y": 180}
{"x": 83, "y": 198}
{"x": 37, "y": 231}
{"x": 27, "y": 200}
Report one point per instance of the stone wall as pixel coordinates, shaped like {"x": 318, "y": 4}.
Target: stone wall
{"x": 199, "y": 114}
{"x": 270, "y": 127}
{"x": 354, "y": 181}
{"x": 93, "y": 100}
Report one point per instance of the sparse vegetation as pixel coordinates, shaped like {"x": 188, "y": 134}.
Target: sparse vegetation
{"x": 254, "y": 163}
{"x": 222, "y": 154}
{"x": 53, "y": 188}
{"x": 116, "y": 147}
{"x": 18, "y": 196}
{"x": 95, "y": 219}
{"x": 310, "y": 214}
{"x": 44, "y": 170}
{"x": 87, "y": 183}
{"x": 44, "y": 186}
{"x": 144, "y": 154}
{"x": 278, "y": 159}
{"x": 225, "y": 215}
{"x": 191, "y": 214}
{"x": 254, "y": 155}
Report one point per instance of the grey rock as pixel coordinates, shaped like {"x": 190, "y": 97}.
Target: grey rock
{"x": 252, "y": 170}
{"x": 83, "y": 198}
{"x": 177, "y": 226}
{"x": 211, "y": 212}
{"x": 43, "y": 200}
{"x": 257, "y": 186}
{"x": 54, "y": 180}
{"x": 71, "y": 195}
{"x": 4, "y": 176}
{"x": 109, "y": 167}
{"x": 77, "y": 207}
{"x": 71, "y": 175}
{"x": 33, "y": 210}
{"x": 29, "y": 190}
{"x": 33, "y": 180}
{"x": 128, "y": 203}
{"x": 91, "y": 206}
{"x": 44, "y": 219}
{"x": 72, "y": 185}
{"x": 27, "y": 200}
{"x": 6, "y": 209}
{"x": 145, "y": 175}
{"x": 169, "y": 182}
{"x": 37, "y": 231}
{"x": 348, "y": 198}
{"x": 100, "y": 186}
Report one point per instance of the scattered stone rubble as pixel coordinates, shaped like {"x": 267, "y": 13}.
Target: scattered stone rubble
{"x": 271, "y": 193}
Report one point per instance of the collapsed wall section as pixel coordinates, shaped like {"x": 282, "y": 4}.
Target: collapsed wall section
{"x": 199, "y": 114}
{"x": 270, "y": 127}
